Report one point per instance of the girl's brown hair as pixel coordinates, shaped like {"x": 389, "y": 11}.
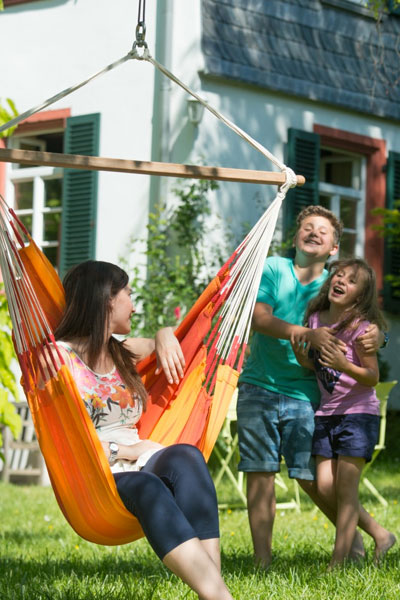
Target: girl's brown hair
{"x": 366, "y": 306}
{"x": 89, "y": 287}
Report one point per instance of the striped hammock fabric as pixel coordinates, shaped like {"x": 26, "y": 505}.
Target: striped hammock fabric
{"x": 213, "y": 337}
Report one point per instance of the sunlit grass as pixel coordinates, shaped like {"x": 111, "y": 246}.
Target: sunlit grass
{"x": 41, "y": 557}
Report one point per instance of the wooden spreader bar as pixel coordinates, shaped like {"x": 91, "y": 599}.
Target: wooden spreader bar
{"x": 97, "y": 163}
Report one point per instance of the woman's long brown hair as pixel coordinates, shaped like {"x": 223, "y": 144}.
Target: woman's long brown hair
{"x": 89, "y": 288}
{"x": 366, "y": 306}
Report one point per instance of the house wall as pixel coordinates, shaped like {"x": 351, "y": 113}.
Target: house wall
{"x": 49, "y": 45}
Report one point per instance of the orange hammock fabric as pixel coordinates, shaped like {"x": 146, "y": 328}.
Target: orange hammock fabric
{"x": 189, "y": 412}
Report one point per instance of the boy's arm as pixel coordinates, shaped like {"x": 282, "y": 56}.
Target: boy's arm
{"x": 265, "y": 322}
{"x": 371, "y": 340}
{"x": 301, "y": 349}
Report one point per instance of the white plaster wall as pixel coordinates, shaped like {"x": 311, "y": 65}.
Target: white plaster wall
{"x": 47, "y": 46}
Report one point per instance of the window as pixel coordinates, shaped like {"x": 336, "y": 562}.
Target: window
{"x": 342, "y": 189}
{"x": 36, "y": 192}
{"x": 58, "y": 207}
{"x": 346, "y": 171}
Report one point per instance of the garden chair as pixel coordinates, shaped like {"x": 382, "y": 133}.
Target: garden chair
{"x": 225, "y": 450}
{"x": 383, "y": 390}
{"x": 23, "y": 459}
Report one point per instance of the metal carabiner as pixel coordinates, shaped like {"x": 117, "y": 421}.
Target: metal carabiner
{"x": 140, "y": 35}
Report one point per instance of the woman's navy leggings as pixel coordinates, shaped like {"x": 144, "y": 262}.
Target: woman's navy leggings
{"x": 173, "y": 497}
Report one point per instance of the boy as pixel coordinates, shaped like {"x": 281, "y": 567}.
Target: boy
{"x": 277, "y": 396}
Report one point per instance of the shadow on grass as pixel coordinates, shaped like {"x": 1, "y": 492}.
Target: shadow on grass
{"x": 143, "y": 566}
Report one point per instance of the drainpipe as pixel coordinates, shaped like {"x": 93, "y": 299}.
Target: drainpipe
{"x": 160, "y": 139}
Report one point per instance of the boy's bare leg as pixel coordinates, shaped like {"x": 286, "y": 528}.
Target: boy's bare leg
{"x": 261, "y": 506}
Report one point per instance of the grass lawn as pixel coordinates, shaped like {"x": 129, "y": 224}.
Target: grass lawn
{"x": 42, "y": 558}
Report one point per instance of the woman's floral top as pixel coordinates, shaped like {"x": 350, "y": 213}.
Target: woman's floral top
{"x": 109, "y": 403}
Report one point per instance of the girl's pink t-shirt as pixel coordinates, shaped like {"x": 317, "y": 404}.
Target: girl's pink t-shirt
{"x": 340, "y": 393}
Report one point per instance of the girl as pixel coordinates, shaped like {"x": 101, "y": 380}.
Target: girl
{"x": 347, "y": 420}
{"x": 169, "y": 490}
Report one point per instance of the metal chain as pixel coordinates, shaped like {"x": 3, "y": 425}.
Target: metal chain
{"x": 141, "y": 26}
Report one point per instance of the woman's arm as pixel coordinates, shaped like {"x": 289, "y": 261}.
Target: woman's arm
{"x": 366, "y": 374}
{"x": 169, "y": 354}
{"x": 132, "y": 452}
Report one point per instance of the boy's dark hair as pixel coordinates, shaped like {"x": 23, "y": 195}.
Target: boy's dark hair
{"x": 321, "y": 211}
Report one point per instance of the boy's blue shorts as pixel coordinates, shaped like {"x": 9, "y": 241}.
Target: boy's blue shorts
{"x": 271, "y": 425}
{"x": 348, "y": 435}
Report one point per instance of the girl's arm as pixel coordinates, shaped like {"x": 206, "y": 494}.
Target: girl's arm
{"x": 366, "y": 374}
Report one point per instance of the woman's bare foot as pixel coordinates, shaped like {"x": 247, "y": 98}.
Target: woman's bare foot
{"x": 383, "y": 547}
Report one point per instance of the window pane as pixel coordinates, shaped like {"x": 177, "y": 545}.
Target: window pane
{"x": 52, "y": 193}
{"x": 51, "y": 227}
{"x": 52, "y": 254}
{"x": 27, "y": 221}
{"x": 348, "y": 213}
{"x": 347, "y": 245}
{"x": 23, "y": 195}
{"x": 325, "y": 201}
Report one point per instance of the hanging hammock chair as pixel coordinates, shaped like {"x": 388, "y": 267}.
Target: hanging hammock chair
{"x": 213, "y": 337}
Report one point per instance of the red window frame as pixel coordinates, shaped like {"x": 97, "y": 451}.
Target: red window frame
{"x": 374, "y": 150}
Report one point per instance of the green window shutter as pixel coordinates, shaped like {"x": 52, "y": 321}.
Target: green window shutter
{"x": 392, "y": 253}
{"x": 303, "y": 154}
{"x": 78, "y": 229}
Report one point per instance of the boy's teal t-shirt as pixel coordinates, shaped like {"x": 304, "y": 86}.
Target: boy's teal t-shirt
{"x": 272, "y": 364}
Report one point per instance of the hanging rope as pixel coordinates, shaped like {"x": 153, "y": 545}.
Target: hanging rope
{"x": 134, "y": 54}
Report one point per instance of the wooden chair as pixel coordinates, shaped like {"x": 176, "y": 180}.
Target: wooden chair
{"x": 383, "y": 390}
{"x": 23, "y": 459}
{"x": 225, "y": 450}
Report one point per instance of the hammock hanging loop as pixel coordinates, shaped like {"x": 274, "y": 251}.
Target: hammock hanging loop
{"x": 140, "y": 32}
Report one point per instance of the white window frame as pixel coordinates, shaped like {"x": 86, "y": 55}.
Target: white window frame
{"x": 38, "y": 175}
{"x": 356, "y": 193}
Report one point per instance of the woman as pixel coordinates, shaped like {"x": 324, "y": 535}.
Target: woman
{"x": 169, "y": 490}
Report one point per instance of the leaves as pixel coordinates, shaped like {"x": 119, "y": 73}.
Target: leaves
{"x": 176, "y": 266}
{"x": 7, "y": 113}
{"x": 8, "y": 384}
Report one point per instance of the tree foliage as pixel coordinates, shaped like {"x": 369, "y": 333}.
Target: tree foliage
{"x": 8, "y": 384}
{"x": 176, "y": 264}
{"x": 7, "y": 113}
{"x": 390, "y": 229}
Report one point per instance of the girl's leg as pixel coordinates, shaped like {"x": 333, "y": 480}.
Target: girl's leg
{"x": 323, "y": 493}
{"x": 347, "y": 480}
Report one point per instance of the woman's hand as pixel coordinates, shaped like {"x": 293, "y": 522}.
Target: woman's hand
{"x": 169, "y": 354}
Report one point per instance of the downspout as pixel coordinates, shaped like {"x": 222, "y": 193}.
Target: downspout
{"x": 160, "y": 139}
